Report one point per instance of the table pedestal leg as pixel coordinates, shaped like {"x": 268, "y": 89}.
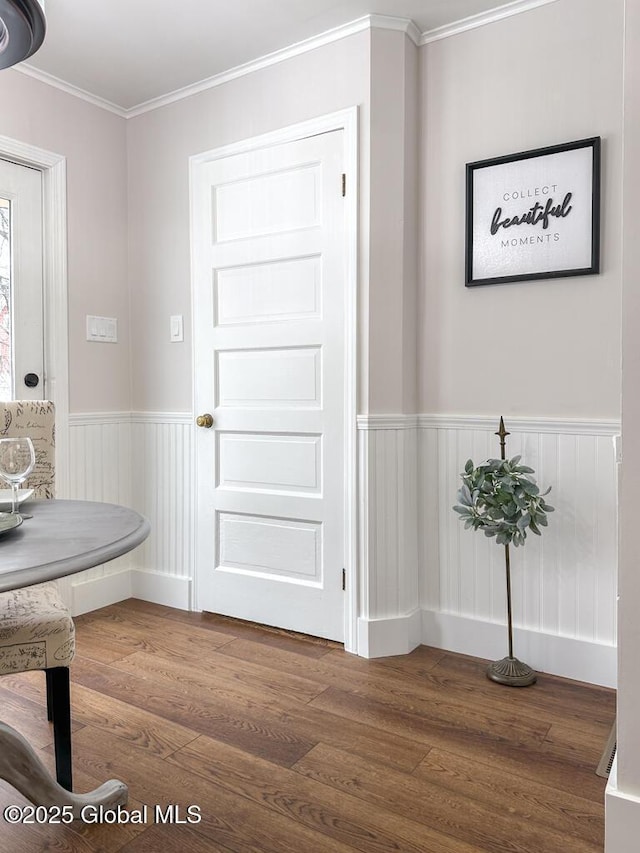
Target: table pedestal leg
{"x": 21, "y": 767}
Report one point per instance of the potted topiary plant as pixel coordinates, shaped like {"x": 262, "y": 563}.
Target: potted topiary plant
{"x": 501, "y": 498}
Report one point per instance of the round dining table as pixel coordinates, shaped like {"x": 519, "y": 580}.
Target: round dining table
{"x": 61, "y": 538}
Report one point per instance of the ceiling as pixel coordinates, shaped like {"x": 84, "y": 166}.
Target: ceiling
{"x": 127, "y": 52}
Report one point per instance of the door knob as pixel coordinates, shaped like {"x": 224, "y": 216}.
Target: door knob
{"x": 31, "y": 380}
{"x": 205, "y": 421}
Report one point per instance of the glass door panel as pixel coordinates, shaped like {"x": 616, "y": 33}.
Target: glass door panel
{"x": 21, "y": 284}
{"x": 6, "y": 360}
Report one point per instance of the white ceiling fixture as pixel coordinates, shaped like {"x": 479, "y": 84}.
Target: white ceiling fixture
{"x": 22, "y": 28}
{"x": 129, "y": 56}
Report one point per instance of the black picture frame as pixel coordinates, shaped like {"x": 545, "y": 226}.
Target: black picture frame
{"x": 523, "y": 196}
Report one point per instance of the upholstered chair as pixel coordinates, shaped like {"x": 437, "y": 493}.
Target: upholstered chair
{"x": 35, "y": 419}
{"x": 36, "y": 629}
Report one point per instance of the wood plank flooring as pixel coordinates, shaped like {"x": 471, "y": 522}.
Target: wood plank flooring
{"x": 288, "y": 745}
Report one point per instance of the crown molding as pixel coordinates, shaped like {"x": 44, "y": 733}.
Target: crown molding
{"x": 69, "y": 88}
{"x": 365, "y": 23}
{"x": 475, "y": 21}
{"x": 402, "y": 25}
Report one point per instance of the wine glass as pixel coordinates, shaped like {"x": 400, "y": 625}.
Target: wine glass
{"x": 17, "y": 458}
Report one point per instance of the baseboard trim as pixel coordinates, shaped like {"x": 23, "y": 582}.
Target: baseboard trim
{"x": 170, "y": 590}
{"x": 131, "y": 583}
{"x": 100, "y": 592}
{"x": 580, "y": 660}
{"x": 379, "y": 638}
{"x": 622, "y": 817}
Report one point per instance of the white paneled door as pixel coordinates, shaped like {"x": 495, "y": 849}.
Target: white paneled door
{"x": 21, "y": 283}
{"x": 269, "y": 306}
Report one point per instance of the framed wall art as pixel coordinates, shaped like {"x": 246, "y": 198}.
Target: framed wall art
{"x": 534, "y": 215}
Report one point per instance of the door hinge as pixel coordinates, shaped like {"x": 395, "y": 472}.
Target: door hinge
{"x": 344, "y": 579}
{"x": 344, "y": 185}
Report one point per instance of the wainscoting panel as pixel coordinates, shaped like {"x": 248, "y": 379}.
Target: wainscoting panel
{"x": 162, "y": 462}
{"x": 563, "y": 583}
{"x": 100, "y": 470}
{"x": 143, "y": 461}
{"x": 389, "y": 618}
{"x": 422, "y": 577}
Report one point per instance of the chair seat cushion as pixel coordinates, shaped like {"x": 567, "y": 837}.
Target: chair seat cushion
{"x": 36, "y": 629}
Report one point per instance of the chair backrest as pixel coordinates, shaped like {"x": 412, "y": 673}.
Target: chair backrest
{"x": 37, "y": 420}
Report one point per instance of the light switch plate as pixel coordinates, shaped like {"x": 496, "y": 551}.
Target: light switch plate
{"x": 176, "y": 332}
{"x": 103, "y": 329}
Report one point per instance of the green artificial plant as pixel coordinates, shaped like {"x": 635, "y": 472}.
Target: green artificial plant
{"x": 501, "y": 498}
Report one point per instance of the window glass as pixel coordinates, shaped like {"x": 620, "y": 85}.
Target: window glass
{"x": 6, "y": 384}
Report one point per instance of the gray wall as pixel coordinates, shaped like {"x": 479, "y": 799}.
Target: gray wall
{"x": 543, "y": 77}
{"x": 94, "y": 143}
{"x": 159, "y": 146}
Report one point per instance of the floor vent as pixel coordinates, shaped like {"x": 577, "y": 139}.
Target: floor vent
{"x": 604, "y": 767}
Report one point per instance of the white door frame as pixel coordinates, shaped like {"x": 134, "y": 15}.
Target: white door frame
{"x": 347, "y": 121}
{"x": 56, "y": 331}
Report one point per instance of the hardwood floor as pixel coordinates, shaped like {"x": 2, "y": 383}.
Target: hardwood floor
{"x": 288, "y": 744}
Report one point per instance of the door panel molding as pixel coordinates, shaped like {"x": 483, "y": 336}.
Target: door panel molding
{"x": 56, "y": 355}
{"x": 347, "y": 122}
{"x": 22, "y": 189}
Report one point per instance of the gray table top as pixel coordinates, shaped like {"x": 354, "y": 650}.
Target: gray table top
{"x": 65, "y": 537}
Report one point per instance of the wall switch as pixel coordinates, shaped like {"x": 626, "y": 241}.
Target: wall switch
{"x": 104, "y": 329}
{"x": 176, "y": 328}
